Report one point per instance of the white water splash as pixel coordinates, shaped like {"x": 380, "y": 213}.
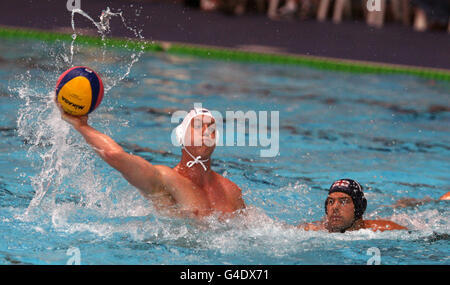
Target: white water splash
{"x": 103, "y": 28}
{"x": 61, "y": 156}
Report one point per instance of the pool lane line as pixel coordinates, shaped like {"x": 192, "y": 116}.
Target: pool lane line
{"x": 46, "y": 36}
{"x": 229, "y": 54}
{"x": 333, "y": 64}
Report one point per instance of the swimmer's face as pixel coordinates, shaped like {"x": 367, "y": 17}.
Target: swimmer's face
{"x": 202, "y": 136}
{"x": 340, "y": 212}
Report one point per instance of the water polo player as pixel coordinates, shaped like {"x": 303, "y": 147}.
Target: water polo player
{"x": 189, "y": 189}
{"x": 344, "y": 209}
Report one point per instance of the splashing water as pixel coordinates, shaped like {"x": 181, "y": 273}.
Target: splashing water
{"x": 66, "y": 160}
{"x": 103, "y": 28}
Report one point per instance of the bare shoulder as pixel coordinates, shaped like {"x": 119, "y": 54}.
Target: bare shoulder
{"x": 170, "y": 178}
{"x": 233, "y": 191}
{"x": 164, "y": 170}
{"x": 446, "y": 196}
{"x": 228, "y": 184}
{"x": 382, "y": 225}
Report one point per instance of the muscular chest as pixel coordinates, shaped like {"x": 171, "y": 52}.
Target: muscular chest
{"x": 205, "y": 200}
{"x": 217, "y": 198}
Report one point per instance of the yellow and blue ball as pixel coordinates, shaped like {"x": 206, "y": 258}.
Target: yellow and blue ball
{"x": 79, "y": 90}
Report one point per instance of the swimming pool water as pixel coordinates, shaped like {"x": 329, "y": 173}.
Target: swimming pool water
{"x": 389, "y": 132}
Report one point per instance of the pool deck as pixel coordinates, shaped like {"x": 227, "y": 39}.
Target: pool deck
{"x": 173, "y": 22}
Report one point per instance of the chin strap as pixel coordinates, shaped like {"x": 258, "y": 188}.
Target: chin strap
{"x": 195, "y": 160}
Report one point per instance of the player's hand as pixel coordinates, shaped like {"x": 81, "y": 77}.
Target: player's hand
{"x": 75, "y": 121}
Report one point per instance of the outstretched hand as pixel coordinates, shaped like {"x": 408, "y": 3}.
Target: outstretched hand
{"x": 75, "y": 121}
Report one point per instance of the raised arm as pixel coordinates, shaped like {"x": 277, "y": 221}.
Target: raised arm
{"x": 136, "y": 170}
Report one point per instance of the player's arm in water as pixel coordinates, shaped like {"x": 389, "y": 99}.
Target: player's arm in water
{"x": 136, "y": 170}
{"x": 382, "y": 225}
{"x": 412, "y": 202}
{"x": 374, "y": 225}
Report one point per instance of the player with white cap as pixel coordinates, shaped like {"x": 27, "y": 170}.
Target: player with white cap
{"x": 191, "y": 188}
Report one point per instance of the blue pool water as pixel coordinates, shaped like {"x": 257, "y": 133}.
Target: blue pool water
{"x": 391, "y": 133}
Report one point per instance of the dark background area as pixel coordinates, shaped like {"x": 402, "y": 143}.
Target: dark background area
{"x": 173, "y": 21}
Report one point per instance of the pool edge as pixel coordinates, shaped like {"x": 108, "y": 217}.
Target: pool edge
{"x": 233, "y": 54}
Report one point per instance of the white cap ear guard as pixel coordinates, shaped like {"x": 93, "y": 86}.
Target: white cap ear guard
{"x": 181, "y": 129}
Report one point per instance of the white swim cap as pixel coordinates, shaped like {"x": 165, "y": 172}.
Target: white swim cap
{"x": 180, "y": 131}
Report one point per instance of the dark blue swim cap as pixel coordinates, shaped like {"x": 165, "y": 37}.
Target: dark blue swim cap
{"x": 354, "y": 190}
